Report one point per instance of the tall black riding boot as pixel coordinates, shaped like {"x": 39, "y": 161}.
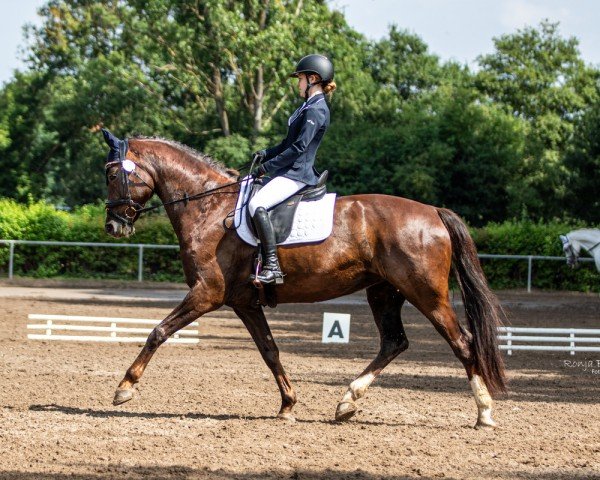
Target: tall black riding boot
{"x": 271, "y": 271}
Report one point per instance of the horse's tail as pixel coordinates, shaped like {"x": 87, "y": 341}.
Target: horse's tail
{"x": 483, "y": 311}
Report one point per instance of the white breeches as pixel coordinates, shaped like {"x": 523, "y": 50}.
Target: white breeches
{"x": 274, "y": 192}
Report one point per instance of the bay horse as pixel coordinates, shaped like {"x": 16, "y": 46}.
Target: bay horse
{"x": 398, "y": 249}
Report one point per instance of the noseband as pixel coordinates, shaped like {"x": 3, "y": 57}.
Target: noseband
{"x": 133, "y": 208}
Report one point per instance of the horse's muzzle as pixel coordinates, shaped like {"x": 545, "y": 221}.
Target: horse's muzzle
{"x": 117, "y": 229}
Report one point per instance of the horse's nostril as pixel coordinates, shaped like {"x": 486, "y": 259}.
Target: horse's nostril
{"x": 108, "y": 228}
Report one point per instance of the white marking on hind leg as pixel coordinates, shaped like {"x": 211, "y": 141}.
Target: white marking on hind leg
{"x": 483, "y": 401}
{"x": 358, "y": 387}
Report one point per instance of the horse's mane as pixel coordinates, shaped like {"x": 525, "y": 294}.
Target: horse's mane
{"x": 194, "y": 154}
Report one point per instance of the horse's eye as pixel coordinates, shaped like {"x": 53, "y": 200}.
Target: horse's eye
{"x": 112, "y": 177}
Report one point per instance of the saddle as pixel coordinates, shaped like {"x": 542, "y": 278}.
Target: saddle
{"x": 282, "y": 214}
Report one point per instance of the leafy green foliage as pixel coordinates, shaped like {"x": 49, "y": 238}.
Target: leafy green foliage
{"x": 516, "y": 139}
{"x": 583, "y": 164}
{"x": 540, "y": 77}
{"x": 530, "y": 238}
{"x": 446, "y": 149}
{"x": 39, "y": 221}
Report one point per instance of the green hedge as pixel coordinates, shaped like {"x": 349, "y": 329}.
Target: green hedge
{"x": 38, "y": 221}
{"x": 528, "y": 238}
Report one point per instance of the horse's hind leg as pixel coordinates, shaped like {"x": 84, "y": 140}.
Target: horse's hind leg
{"x": 256, "y": 323}
{"x": 435, "y": 305}
{"x": 385, "y": 302}
{"x": 185, "y": 313}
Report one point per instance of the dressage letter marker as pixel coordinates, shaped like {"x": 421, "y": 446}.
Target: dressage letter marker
{"x": 336, "y": 327}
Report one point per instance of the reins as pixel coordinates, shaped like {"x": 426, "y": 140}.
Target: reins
{"x": 196, "y": 196}
{"x": 189, "y": 198}
{"x": 590, "y": 249}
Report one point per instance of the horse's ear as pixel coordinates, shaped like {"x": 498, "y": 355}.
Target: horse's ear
{"x": 110, "y": 139}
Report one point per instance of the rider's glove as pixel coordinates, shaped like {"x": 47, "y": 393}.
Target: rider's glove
{"x": 260, "y": 171}
{"x": 260, "y": 155}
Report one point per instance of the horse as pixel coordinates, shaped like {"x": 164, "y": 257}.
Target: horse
{"x": 587, "y": 239}
{"x": 395, "y": 248}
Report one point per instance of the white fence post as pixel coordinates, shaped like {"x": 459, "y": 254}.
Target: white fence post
{"x": 572, "y": 335}
{"x": 509, "y": 342}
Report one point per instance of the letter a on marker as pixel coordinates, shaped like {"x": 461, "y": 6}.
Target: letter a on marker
{"x": 336, "y": 329}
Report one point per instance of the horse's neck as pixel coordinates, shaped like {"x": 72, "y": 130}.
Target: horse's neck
{"x": 177, "y": 175}
{"x": 586, "y": 238}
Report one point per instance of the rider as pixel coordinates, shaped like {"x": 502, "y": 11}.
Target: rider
{"x": 290, "y": 164}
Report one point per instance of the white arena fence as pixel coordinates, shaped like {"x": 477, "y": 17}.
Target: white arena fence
{"x": 549, "y": 339}
{"x": 139, "y": 246}
{"x": 142, "y": 246}
{"x": 110, "y": 329}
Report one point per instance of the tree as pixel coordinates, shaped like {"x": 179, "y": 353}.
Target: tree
{"x": 540, "y": 77}
{"x": 402, "y": 62}
{"x": 189, "y": 70}
{"x": 27, "y": 145}
{"x": 583, "y": 164}
{"x": 446, "y": 148}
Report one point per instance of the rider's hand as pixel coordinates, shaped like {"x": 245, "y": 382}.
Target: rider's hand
{"x": 259, "y": 171}
{"x": 260, "y": 156}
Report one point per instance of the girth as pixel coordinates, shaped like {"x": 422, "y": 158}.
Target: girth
{"x": 282, "y": 215}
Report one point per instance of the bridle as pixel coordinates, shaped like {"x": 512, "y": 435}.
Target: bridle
{"x": 572, "y": 255}
{"x": 135, "y": 209}
{"x": 569, "y": 250}
{"x": 126, "y": 168}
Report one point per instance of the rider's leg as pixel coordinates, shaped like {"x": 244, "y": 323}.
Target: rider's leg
{"x": 271, "y": 271}
{"x": 274, "y": 192}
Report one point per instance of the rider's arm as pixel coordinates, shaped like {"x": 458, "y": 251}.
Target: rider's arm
{"x": 314, "y": 119}
{"x": 273, "y": 151}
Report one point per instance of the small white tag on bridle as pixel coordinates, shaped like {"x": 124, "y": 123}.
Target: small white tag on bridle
{"x": 128, "y": 166}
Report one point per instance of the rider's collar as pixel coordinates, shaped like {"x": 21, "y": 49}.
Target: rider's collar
{"x": 313, "y": 96}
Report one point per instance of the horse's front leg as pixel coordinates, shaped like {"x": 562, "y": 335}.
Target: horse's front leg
{"x": 186, "y": 312}
{"x": 256, "y": 323}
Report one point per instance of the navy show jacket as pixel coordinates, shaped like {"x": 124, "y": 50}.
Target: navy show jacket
{"x": 294, "y": 158}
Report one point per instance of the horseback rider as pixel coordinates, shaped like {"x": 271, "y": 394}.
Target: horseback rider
{"x": 290, "y": 164}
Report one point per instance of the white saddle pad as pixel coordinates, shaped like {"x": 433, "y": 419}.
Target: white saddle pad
{"x": 313, "y": 221}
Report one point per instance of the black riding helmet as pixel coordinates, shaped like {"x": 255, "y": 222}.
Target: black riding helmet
{"x": 318, "y": 64}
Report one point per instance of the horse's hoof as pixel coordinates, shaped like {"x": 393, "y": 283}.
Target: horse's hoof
{"x": 286, "y": 417}
{"x": 485, "y": 425}
{"x": 345, "y": 411}
{"x": 122, "y": 396}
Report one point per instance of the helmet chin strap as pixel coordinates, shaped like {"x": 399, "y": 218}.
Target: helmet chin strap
{"x": 308, "y": 87}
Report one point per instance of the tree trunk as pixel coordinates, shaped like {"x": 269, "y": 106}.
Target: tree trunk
{"x": 259, "y": 90}
{"x": 258, "y": 102}
{"x": 220, "y": 101}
